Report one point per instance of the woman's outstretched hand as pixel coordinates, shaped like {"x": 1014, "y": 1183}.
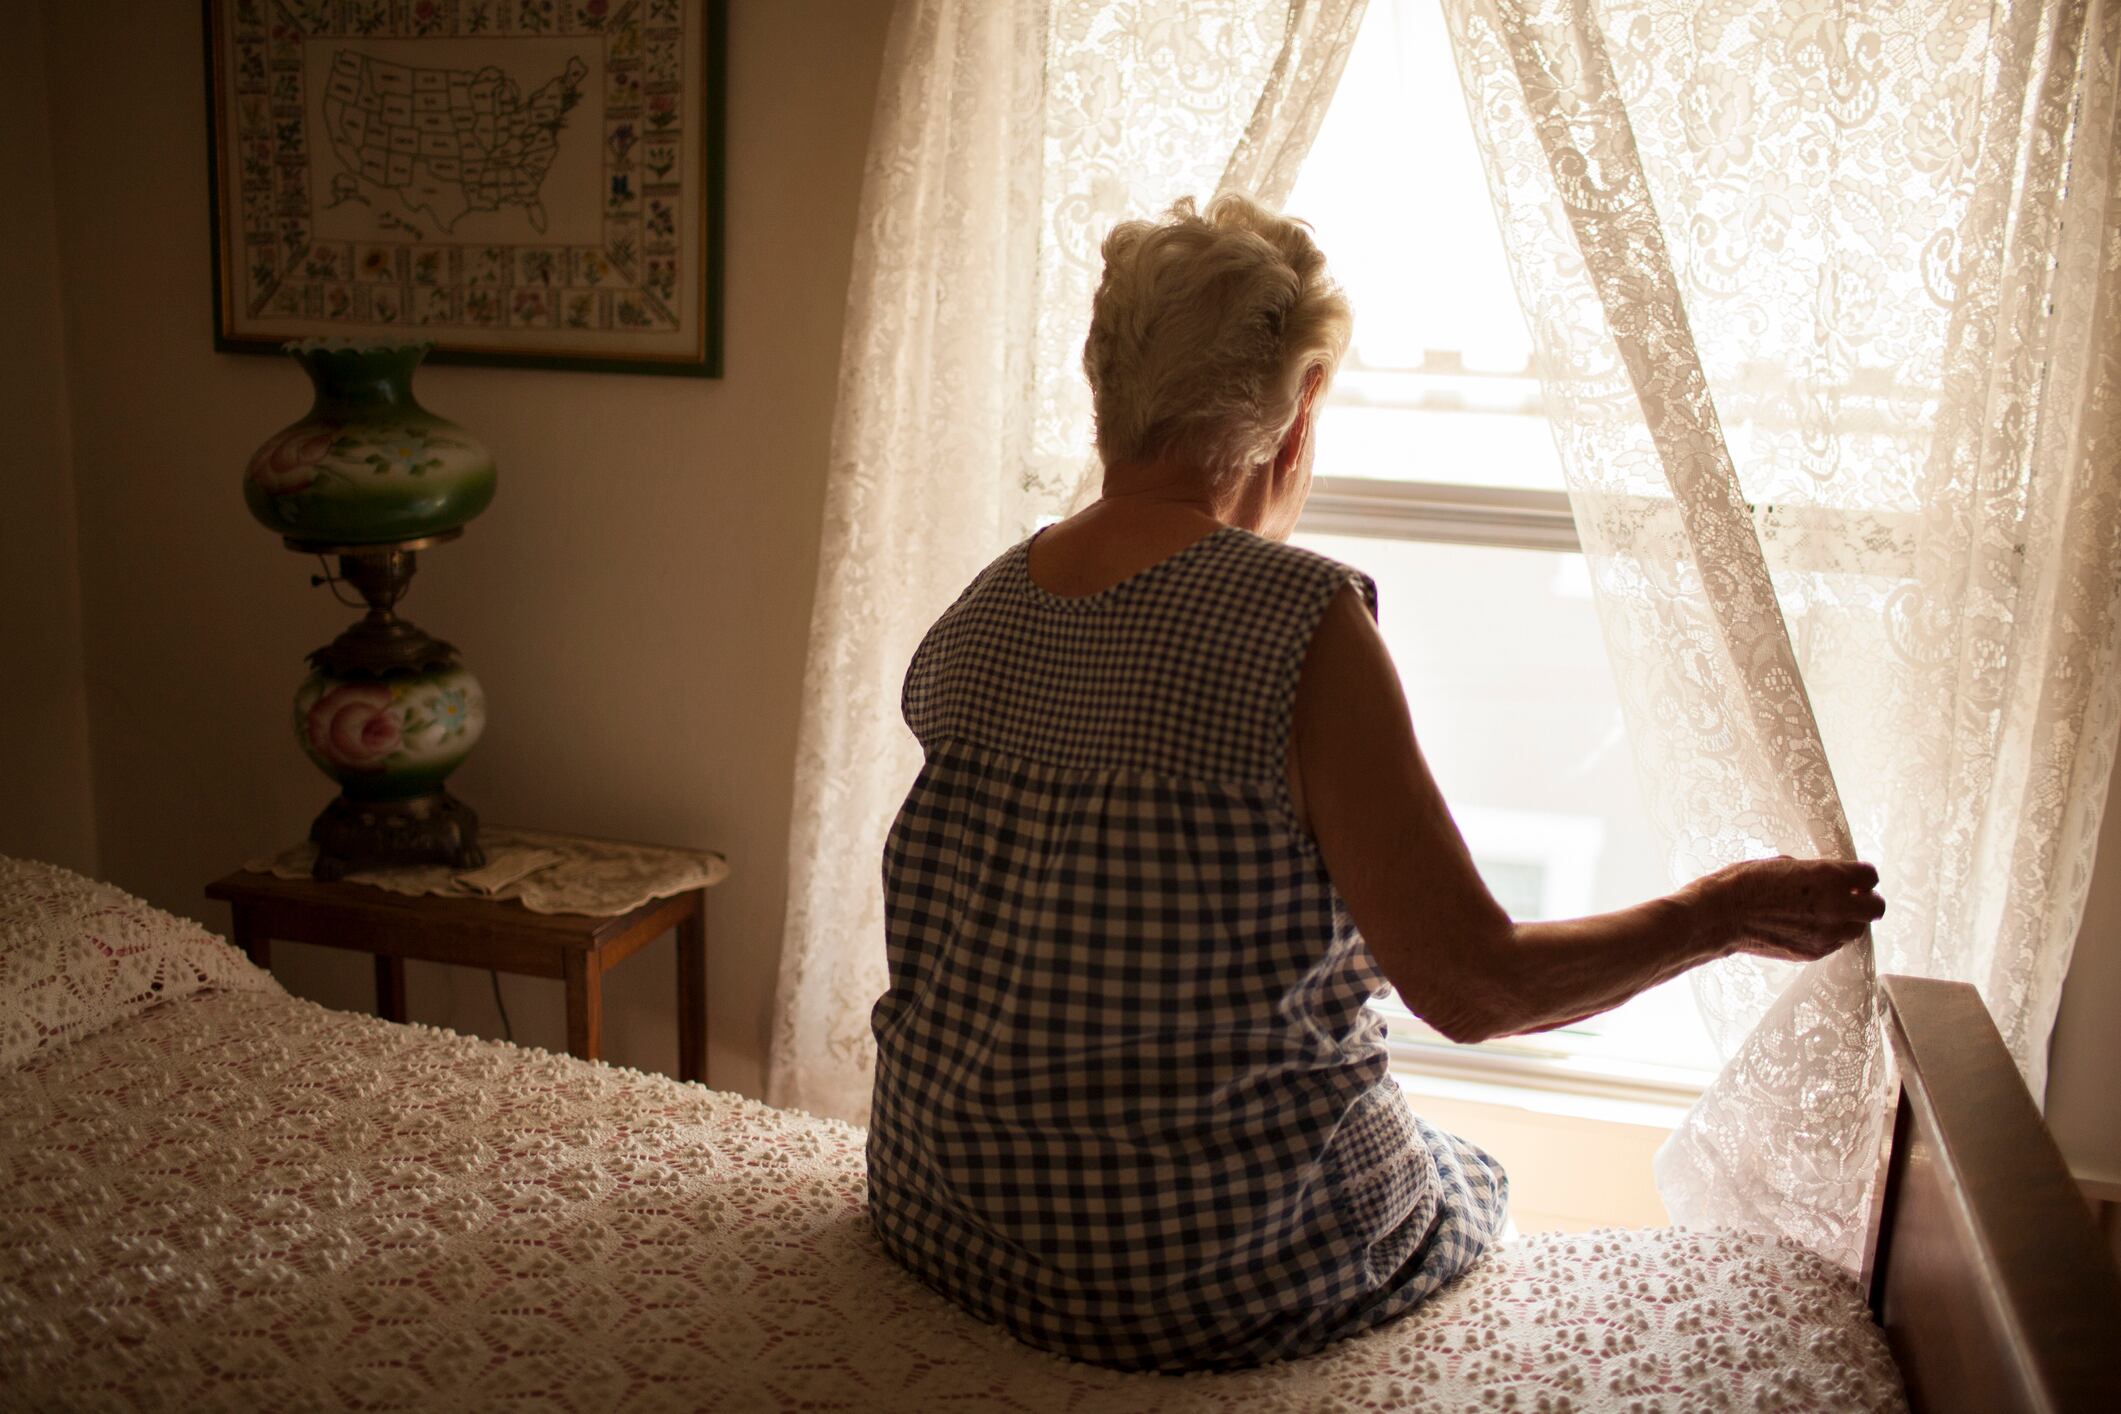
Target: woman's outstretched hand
{"x": 1793, "y": 909}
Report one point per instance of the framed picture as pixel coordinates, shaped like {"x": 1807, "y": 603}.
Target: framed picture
{"x": 524, "y": 182}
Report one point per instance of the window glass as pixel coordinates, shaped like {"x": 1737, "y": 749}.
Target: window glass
{"x": 1499, "y": 648}
{"x": 1438, "y": 384}
{"x": 1505, "y": 674}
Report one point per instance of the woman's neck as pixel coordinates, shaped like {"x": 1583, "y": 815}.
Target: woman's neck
{"x": 1159, "y": 488}
{"x": 1124, "y": 532}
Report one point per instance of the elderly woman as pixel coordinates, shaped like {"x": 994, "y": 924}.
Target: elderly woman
{"x": 1172, "y": 833}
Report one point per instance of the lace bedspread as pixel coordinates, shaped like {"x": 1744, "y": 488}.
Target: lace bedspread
{"x": 77, "y": 955}
{"x": 238, "y": 1199}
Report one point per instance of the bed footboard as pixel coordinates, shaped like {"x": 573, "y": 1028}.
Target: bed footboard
{"x": 1987, "y": 1271}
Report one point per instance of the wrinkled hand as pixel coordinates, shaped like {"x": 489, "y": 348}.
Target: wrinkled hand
{"x": 1793, "y": 909}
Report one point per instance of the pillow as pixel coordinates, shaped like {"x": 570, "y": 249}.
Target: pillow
{"x": 77, "y": 955}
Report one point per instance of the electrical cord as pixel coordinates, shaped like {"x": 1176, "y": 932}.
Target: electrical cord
{"x": 507, "y": 1032}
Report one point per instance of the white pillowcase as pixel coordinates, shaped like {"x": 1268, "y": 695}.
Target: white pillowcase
{"x": 77, "y": 955}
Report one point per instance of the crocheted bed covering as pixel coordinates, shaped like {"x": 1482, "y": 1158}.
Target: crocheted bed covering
{"x": 239, "y": 1199}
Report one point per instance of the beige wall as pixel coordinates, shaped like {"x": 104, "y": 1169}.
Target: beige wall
{"x": 46, "y": 807}
{"x": 635, "y": 601}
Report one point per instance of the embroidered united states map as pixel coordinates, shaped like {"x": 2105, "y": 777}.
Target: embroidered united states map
{"x": 445, "y": 141}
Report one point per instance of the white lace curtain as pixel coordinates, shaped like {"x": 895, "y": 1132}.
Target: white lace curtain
{"x": 1825, "y": 295}
{"x": 1009, "y": 136}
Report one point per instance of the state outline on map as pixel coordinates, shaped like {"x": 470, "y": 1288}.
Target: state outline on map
{"x": 447, "y": 142}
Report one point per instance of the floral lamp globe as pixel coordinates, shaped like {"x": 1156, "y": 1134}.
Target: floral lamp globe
{"x": 370, "y": 478}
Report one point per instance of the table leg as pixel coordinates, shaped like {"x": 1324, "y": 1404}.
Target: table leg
{"x": 390, "y": 987}
{"x": 585, "y": 1005}
{"x": 692, "y": 992}
{"x": 258, "y": 949}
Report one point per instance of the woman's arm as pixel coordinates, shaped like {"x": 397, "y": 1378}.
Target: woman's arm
{"x": 1458, "y": 960}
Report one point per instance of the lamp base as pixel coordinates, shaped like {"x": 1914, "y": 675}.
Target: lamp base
{"x": 435, "y": 828}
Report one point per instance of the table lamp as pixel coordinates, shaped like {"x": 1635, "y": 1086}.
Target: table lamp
{"x": 369, "y": 478}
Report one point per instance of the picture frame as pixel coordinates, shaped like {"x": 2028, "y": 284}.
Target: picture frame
{"x": 526, "y": 183}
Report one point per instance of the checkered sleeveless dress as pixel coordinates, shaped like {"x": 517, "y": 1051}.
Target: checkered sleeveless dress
{"x": 1129, "y": 1104}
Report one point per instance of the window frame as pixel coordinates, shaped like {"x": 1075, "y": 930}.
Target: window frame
{"x": 1500, "y": 517}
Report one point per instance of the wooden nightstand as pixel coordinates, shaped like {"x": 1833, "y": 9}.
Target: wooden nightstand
{"x": 501, "y": 935}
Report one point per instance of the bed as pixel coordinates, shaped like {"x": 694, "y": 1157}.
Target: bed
{"x": 219, "y": 1196}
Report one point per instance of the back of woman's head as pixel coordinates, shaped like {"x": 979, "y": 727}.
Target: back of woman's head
{"x": 1204, "y": 330}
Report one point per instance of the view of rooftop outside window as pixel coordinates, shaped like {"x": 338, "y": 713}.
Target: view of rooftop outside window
{"x": 1498, "y": 645}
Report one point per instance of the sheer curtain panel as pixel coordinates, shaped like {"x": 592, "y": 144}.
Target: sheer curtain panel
{"x": 1009, "y": 136}
{"x": 1825, "y": 299}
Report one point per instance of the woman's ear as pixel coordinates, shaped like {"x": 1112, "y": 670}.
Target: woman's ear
{"x": 1291, "y": 449}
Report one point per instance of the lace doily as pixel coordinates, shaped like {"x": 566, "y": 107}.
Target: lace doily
{"x": 547, "y": 873}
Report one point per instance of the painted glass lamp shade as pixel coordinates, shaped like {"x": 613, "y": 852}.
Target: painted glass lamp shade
{"x": 367, "y": 464}
{"x": 371, "y": 478}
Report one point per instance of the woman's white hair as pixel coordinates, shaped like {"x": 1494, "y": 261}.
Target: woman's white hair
{"x": 1204, "y": 331}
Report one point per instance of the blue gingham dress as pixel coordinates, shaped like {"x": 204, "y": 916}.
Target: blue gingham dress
{"x": 1129, "y": 1103}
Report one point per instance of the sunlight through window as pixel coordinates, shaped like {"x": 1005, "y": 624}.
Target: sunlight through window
{"x": 1497, "y": 643}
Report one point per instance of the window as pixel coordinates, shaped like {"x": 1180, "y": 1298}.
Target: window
{"x": 1437, "y": 475}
